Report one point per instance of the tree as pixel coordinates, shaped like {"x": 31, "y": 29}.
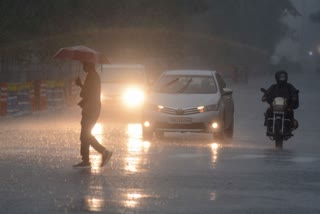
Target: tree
{"x": 169, "y": 27}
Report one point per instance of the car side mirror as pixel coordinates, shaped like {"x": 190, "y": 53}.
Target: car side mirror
{"x": 227, "y": 92}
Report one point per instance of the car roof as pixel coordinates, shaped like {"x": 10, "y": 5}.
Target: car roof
{"x": 190, "y": 72}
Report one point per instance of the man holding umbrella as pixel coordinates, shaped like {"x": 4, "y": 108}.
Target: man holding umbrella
{"x": 90, "y": 103}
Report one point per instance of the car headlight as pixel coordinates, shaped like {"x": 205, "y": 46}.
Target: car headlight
{"x": 213, "y": 107}
{"x": 133, "y": 97}
{"x": 153, "y": 107}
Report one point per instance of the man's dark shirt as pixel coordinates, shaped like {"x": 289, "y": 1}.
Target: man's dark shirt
{"x": 90, "y": 94}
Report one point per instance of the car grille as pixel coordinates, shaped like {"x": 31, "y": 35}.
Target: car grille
{"x": 173, "y": 111}
{"x": 180, "y": 126}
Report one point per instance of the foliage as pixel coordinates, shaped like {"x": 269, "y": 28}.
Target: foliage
{"x": 187, "y": 25}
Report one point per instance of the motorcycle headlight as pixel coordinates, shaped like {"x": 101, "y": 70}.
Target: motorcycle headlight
{"x": 213, "y": 107}
{"x": 133, "y": 97}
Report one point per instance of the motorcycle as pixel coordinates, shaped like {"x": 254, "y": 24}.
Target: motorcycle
{"x": 279, "y": 125}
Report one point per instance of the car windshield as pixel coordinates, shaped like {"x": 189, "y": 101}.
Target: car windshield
{"x": 122, "y": 75}
{"x": 185, "y": 84}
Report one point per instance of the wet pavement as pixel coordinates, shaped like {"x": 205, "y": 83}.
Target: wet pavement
{"x": 182, "y": 173}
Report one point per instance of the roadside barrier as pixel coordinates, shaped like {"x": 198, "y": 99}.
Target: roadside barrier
{"x": 37, "y": 92}
{"x": 3, "y": 99}
{"x": 24, "y": 105}
{"x": 50, "y": 94}
{"x": 67, "y": 92}
{"x": 40, "y": 96}
{"x": 43, "y": 96}
{"x": 55, "y": 95}
{"x": 59, "y": 94}
{"x": 71, "y": 92}
{"x": 24, "y": 98}
{"x": 12, "y": 102}
{"x": 32, "y": 97}
{"x": 75, "y": 93}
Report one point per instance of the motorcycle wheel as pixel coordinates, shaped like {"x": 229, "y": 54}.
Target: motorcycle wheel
{"x": 278, "y": 136}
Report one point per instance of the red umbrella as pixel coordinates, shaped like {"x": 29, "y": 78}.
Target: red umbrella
{"x": 83, "y": 54}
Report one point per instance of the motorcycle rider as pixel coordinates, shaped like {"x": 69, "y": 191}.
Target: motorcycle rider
{"x": 285, "y": 90}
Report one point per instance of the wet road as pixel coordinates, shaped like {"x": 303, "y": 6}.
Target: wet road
{"x": 183, "y": 173}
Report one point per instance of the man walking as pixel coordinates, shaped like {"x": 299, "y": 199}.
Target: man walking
{"x": 91, "y": 106}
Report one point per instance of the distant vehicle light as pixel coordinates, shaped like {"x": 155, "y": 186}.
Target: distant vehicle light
{"x": 133, "y": 97}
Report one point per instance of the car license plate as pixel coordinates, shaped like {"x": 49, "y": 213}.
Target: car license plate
{"x": 180, "y": 120}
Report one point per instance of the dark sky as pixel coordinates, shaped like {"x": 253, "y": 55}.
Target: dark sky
{"x": 307, "y": 33}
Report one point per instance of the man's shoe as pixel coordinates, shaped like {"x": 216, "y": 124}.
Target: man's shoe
{"x": 82, "y": 165}
{"x": 106, "y": 155}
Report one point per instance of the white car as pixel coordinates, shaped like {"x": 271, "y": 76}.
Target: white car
{"x": 189, "y": 101}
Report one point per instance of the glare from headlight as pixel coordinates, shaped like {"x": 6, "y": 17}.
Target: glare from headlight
{"x": 214, "y": 146}
{"x": 215, "y": 125}
{"x": 159, "y": 108}
{"x": 133, "y": 97}
{"x": 146, "y": 124}
{"x": 103, "y": 97}
{"x": 201, "y": 109}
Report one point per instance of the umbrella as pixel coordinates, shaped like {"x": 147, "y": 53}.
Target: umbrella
{"x": 81, "y": 53}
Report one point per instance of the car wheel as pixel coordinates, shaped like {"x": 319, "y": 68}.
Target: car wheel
{"x": 229, "y": 131}
{"x": 159, "y": 134}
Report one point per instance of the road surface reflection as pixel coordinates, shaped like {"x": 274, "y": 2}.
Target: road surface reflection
{"x": 94, "y": 204}
{"x": 214, "y": 153}
{"x": 94, "y": 200}
{"x": 95, "y": 158}
{"x": 135, "y": 156}
{"x": 136, "y": 148}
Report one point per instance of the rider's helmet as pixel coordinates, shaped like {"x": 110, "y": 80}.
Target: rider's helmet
{"x": 281, "y": 77}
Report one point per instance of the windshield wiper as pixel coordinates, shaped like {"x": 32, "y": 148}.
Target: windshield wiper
{"x": 169, "y": 83}
{"x": 186, "y": 86}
